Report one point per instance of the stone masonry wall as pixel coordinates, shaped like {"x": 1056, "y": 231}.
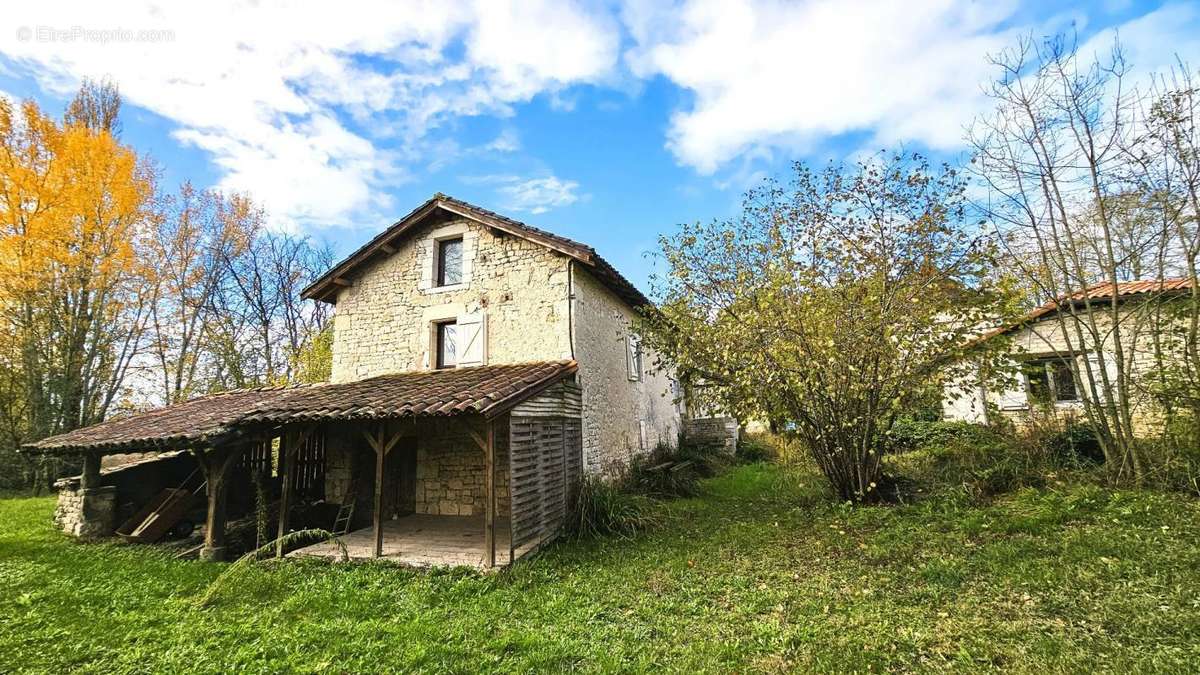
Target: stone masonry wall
{"x": 384, "y": 321}
{"x": 87, "y": 514}
{"x": 450, "y": 477}
{"x": 720, "y": 432}
{"x": 965, "y": 400}
{"x": 621, "y": 418}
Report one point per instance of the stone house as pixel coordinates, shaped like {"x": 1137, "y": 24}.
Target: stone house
{"x": 480, "y": 368}
{"x": 1054, "y": 364}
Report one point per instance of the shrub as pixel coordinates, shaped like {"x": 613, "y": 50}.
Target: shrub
{"x": 709, "y": 460}
{"x": 908, "y": 434}
{"x": 675, "y": 472}
{"x": 1075, "y": 443}
{"x": 664, "y": 477}
{"x": 755, "y": 448}
{"x": 601, "y": 508}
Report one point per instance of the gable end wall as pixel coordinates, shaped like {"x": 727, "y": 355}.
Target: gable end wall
{"x": 382, "y": 323}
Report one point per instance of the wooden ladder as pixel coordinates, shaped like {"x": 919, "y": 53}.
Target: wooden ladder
{"x": 341, "y": 523}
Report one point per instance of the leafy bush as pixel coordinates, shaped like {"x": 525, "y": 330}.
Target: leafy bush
{"x": 756, "y": 448}
{"x": 675, "y": 472}
{"x": 1075, "y": 443}
{"x": 909, "y": 434}
{"x": 984, "y": 471}
{"x": 601, "y": 508}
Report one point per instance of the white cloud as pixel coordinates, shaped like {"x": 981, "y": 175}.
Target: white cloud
{"x": 530, "y": 195}
{"x": 775, "y": 73}
{"x": 316, "y": 109}
{"x": 506, "y": 141}
{"x": 771, "y": 73}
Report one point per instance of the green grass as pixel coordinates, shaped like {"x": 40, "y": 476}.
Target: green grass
{"x": 761, "y": 573}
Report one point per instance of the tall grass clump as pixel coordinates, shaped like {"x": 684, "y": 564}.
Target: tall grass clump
{"x": 602, "y": 508}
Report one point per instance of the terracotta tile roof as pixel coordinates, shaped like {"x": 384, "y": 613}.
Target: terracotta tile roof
{"x": 1100, "y": 291}
{"x": 325, "y": 288}
{"x": 485, "y": 390}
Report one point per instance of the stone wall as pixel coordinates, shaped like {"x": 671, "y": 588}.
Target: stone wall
{"x": 87, "y": 514}
{"x": 384, "y": 320}
{"x": 621, "y": 418}
{"x": 450, "y": 476}
{"x": 964, "y": 398}
{"x": 720, "y": 432}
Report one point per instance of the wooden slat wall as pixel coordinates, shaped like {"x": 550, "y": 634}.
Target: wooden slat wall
{"x": 545, "y": 463}
{"x": 308, "y": 478}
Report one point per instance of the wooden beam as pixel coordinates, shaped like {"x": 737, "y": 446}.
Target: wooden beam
{"x": 479, "y": 440}
{"x": 380, "y": 454}
{"x": 387, "y": 248}
{"x": 342, "y": 281}
{"x": 217, "y": 464}
{"x": 89, "y": 479}
{"x": 489, "y": 482}
{"x": 287, "y": 447}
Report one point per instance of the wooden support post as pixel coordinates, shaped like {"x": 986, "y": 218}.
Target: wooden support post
{"x": 216, "y": 465}
{"x": 90, "y": 478}
{"x": 382, "y": 445}
{"x": 489, "y": 483}
{"x": 287, "y": 443}
{"x": 380, "y": 455}
{"x": 289, "y": 449}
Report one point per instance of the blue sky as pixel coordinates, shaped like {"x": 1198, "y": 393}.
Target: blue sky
{"x": 609, "y": 123}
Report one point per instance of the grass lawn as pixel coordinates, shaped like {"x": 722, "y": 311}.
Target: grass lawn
{"x": 761, "y": 573}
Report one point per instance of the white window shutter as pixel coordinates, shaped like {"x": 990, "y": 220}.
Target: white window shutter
{"x": 1015, "y": 397}
{"x": 472, "y": 339}
{"x": 1099, "y": 370}
{"x": 632, "y": 360}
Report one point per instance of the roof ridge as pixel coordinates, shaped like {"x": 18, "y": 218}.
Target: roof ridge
{"x": 606, "y": 273}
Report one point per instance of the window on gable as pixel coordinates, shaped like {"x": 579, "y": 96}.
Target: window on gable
{"x": 1050, "y": 380}
{"x": 449, "y": 261}
{"x": 446, "y": 337}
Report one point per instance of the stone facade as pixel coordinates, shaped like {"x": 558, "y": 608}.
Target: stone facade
{"x": 621, "y": 417}
{"x": 449, "y": 469}
{"x": 384, "y": 321}
{"x": 967, "y": 399}
{"x": 536, "y": 305}
{"x": 87, "y": 514}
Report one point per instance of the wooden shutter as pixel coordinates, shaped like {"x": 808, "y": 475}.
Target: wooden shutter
{"x": 1014, "y": 398}
{"x": 633, "y": 359}
{"x": 472, "y": 339}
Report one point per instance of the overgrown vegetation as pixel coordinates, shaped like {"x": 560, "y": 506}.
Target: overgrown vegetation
{"x": 601, "y": 508}
{"x": 766, "y": 572}
{"x": 825, "y": 304}
{"x": 105, "y": 273}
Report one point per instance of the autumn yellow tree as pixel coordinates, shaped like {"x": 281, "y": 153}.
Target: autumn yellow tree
{"x": 75, "y": 208}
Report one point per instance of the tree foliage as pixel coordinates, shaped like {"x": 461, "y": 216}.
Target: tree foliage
{"x": 111, "y": 290}
{"x": 828, "y": 304}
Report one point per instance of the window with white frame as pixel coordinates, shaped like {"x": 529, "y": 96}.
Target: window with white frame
{"x": 446, "y": 344}
{"x": 459, "y": 342}
{"x": 1050, "y": 380}
{"x": 449, "y": 261}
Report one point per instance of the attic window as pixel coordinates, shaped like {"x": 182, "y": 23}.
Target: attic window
{"x": 449, "y": 261}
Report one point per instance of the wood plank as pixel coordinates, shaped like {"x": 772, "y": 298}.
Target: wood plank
{"x": 377, "y": 518}
{"x": 287, "y": 447}
{"x": 489, "y": 482}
